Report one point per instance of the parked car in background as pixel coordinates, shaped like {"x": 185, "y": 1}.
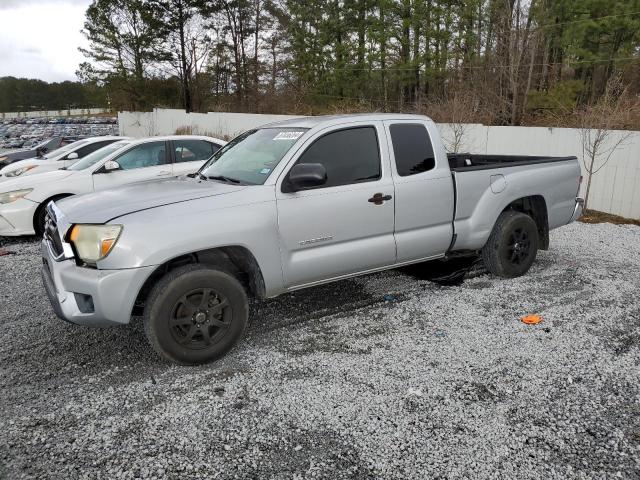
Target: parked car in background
{"x": 23, "y": 199}
{"x": 289, "y": 206}
{"x": 60, "y": 158}
{"x": 38, "y": 150}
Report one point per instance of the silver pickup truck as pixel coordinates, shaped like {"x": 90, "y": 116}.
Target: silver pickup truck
{"x": 287, "y": 206}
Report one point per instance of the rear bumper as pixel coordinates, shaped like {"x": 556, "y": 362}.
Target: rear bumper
{"x": 16, "y": 218}
{"x": 577, "y": 209}
{"x": 91, "y": 297}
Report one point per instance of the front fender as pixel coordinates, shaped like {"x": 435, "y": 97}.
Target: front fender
{"x": 156, "y": 236}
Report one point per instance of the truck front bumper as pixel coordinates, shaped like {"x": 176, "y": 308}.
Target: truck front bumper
{"x": 577, "y": 210}
{"x": 87, "y": 296}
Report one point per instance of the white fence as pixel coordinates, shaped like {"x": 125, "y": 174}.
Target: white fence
{"x": 614, "y": 189}
{"x": 53, "y": 113}
{"x": 166, "y": 122}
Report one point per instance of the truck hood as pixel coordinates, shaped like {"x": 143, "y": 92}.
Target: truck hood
{"x": 106, "y": 205}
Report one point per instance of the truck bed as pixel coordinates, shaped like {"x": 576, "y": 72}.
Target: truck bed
{"x": 462, "y": 162}
{"x": 488, "y": 183}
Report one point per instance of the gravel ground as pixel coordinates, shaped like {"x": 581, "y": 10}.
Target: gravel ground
{"x": 384, "y": 376}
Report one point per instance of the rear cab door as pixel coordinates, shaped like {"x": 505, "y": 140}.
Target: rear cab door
{"x": 144, "y": 161}
{"x": 424, "y": 190}
{"x": 188, "y": 155}
{"x": 339, "y": 229}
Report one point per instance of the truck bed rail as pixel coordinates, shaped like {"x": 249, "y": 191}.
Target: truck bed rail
{"x": 463, "y": 162}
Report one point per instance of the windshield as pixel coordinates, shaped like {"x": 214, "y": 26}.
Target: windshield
{"x": 63, "y": 150}
{"x": 43, "y": 143}
{"x": 250, "y": 157}
{"x": 96, "y": 156}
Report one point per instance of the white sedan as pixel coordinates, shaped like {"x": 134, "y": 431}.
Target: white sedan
{"x": 60, "y": 158}
{"x": 23, "y": 199}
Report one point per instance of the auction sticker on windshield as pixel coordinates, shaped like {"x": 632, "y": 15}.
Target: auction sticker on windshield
{"x": 292, "y": 135}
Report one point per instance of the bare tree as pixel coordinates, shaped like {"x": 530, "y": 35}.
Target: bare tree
{"x": 597, "y": 135}
{"x": 458, "y": 111}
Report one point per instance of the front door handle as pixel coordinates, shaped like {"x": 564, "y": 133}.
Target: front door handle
{"x": 164, "y": 173}
{"x": 379, "y": 199}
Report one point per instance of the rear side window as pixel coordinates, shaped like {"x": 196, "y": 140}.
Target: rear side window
{"x": 349, "y": 156}
{"x": 193, "y": 150}
{"x": 412, "y": 148}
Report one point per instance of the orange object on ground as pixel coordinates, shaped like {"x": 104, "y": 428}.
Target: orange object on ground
{"x": 531, "y": 319}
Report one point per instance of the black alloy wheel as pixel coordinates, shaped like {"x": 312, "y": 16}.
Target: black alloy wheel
{"x": 512, "y": 245}
{"x": 200, "y": 318}
{"x": 518, "y": 247}
{"x": 195, "y": 314}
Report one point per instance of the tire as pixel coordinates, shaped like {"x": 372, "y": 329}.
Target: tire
{"x": 512, "y": 245}
{"x": 183, "y": 327}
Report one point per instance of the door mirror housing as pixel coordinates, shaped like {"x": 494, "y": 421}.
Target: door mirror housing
{"x": 111, "y": 166}
{"x": 72, "y": 156}
{"x": 305, "y": 175}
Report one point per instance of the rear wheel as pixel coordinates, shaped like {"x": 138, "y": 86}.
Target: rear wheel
{"x": 512, "y": 245}
{"x": 196, "y": 314}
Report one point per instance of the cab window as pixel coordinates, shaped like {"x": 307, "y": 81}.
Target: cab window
{"x": 412, "y": 148}
{"x": 349, "y": 156}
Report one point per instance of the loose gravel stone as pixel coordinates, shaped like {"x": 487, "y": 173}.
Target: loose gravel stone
{"x": 383, "y": 376}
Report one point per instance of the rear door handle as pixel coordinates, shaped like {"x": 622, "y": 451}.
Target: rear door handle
{"x": 379, "y": 199}
{"x": 162, "y": 174}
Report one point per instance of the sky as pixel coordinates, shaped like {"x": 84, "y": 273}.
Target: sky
{"x": 40, "y": 38}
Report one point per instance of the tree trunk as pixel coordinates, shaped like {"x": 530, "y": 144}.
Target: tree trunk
{"x": 186, "y": 91}
{"x": 383, "y": 56}
{"x": 588, "y": 189}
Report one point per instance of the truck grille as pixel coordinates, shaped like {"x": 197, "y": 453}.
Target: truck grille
{"x": 51, "y": 235}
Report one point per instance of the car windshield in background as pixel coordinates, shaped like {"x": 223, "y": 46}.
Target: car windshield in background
{"x": 252, "y": 156}
{"x": 63, "y": 150}
{"x": 96, "y": 156}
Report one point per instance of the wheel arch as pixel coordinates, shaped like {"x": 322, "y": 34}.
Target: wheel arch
{"x": 234, "y": 259}
{"x": 44, "y": 204}
{"x": 536, "y": 207}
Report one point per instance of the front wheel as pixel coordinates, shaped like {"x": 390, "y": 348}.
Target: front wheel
{"x": 512, "y": 245}
{"x": 195, "y": 314}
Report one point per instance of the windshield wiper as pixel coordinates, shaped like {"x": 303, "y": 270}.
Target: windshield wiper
{"x": 223, "y": 178}
{"x": 196, "y": 174}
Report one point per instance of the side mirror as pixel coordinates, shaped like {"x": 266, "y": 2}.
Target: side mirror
{"x": 306, "y": 175}
{"x": 72, "y": 156}
{"x": 111, "y": 166}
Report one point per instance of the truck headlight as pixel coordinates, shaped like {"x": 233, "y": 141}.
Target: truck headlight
{"x": 19, "y": 171}
{"x": 2, "y": 159}
{"x": 10, "y": 197}
{"x": 94, "y": 242}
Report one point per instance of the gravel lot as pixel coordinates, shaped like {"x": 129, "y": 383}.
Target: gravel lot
{"x": 384, "y": 376}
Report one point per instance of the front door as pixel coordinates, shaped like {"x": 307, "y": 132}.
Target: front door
{"x": 147, "y": 161}
{"x": 343, "y": 226}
